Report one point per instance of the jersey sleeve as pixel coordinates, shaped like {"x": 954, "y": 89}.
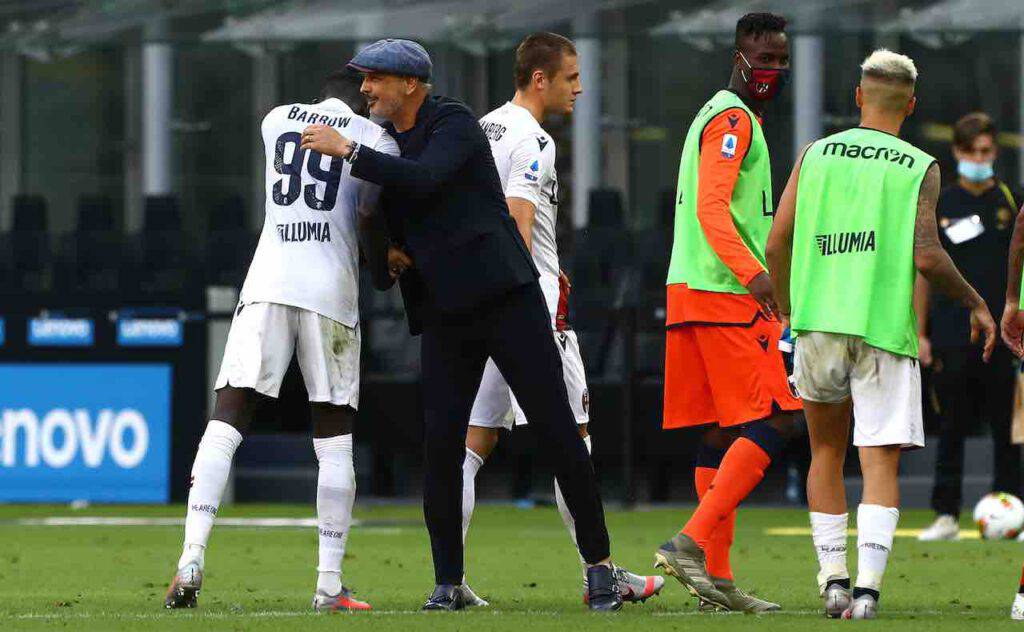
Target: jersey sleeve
{"x": 724, "y": 144}
{"x": 529, "y": 167}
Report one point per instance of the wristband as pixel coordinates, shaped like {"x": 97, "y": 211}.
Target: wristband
{"x": 353, "y": 152}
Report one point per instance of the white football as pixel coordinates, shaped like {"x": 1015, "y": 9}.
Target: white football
{"x": 999, "y": 516}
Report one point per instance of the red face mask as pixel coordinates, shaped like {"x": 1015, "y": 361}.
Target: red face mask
{"x": 764, "y": 84}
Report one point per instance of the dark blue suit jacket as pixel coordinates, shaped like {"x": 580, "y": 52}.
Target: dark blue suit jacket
{"x": 444, "y": 203}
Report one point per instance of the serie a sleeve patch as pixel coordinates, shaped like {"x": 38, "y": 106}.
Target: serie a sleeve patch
{"x": 729, "y": 142}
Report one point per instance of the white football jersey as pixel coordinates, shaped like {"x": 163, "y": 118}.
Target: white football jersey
{"x": 308, "y": 253}
{"x": 525, "y": 157}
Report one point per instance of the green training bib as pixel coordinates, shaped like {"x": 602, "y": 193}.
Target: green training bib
{"x": 694, "y": 262}
{"x": 853, "y": 240}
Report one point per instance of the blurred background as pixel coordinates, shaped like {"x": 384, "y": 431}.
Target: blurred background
{"x": 131, "y": 194}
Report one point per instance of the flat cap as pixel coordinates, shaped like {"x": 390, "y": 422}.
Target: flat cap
{"x": 394, "y": 57}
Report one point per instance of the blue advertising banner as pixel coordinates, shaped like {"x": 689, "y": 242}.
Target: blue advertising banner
{"x": 96, "y": 432}
{"x": 149, "y": 332}
{"x": 60, "y": 332}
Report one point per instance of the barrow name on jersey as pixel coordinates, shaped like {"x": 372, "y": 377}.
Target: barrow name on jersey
{"x": 308, "y": 253}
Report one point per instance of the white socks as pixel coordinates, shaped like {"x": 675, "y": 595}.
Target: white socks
{"x": 563, "y": 509}
{"x": 829, "y": 534}
{"x": 335, "y": 494}
{"x": 209, "y": 476}
{"x": 470, "y": 467}
{"x": 876, "y": 526}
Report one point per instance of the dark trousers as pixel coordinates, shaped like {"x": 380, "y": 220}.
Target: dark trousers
{"x": 514, "y": 330}
{"x": 968, "y": 392}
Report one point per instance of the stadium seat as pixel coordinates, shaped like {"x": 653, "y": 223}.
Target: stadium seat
{"x": 229, "y": 243}
{"x": 165, "y": 267}
{"x": 31, "y": 254}
{"x": 91, "y": 257}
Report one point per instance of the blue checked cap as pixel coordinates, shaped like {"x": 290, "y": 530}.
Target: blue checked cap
{"x": 394, "y": 57}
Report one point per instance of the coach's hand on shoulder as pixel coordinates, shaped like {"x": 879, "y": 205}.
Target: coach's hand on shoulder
{"x": 760, "y": 288}
{"x": 326, "y": 140}
{"x": 1012, "y": 327}
{"x": 398, "y": 261}
{"x": 983, "y": 324}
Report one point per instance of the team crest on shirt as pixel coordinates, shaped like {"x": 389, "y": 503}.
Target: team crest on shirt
{"x": 734, "y": 120}
{"x": 729, "y": 142}
{"x": 543, "y": 142}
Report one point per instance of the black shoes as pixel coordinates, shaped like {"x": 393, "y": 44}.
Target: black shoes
{"x": 602, "y": 592}
{"x": 445, "y": 597}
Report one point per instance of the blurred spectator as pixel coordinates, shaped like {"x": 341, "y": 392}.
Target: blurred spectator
{"x": 975, "y": 216}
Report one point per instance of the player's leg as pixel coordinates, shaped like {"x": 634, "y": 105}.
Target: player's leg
{"x": 828, "y": 427}
{"x": 886, "y": 391}
{"x": 335, "y": 496}
{"x": 490, "y": 413}
{"x": 759, "y": 400}
{"x": 259, "y": 347}
{"x": 710, "y": 453}
{"x": 480, "y": 442}
{"x": 877, "y": 517}
{"x": 688, "y": 402}
{"x": 328, "y": 355}
{"x": 822, "y": 368}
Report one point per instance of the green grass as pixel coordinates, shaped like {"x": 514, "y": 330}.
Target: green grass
{"x": 113, "y": 578}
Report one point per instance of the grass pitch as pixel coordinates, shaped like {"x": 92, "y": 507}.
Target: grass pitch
{"x": 107, "y": 577}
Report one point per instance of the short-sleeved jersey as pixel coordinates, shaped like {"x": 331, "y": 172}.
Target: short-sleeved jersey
{"x": 308, "y": 253}
{"x": 525, "y": 157}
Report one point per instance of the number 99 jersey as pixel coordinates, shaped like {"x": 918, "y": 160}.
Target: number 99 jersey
{"x": 308, "y": 252}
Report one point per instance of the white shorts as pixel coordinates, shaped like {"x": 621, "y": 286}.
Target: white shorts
{"x": 264, "y": 336}
{"x": 885, "y": 387}
{"x": 496, "y": 407}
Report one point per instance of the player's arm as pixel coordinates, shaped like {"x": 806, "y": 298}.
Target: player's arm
{"x": 529, "y": 167}
{"x": 454, "y": 136}
{"x": 779, "y": 251}
{"x": 524, "y": 213}
{"x": 934, "y": 264}
{"x": 724, "y": 144}
{"x": 922, "y": 303}
{"x": 1013, "y": 321}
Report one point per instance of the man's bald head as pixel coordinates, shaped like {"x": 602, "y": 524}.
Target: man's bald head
{"x": 887, "y": 82}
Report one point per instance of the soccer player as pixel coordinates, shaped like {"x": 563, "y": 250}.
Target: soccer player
{"x": 300, "y": 296}
{"x": 723, "y": 367}
{"x": 855, "y": 220}
{"x": 1012, "y": 328}
{"x": 547, "y": 83}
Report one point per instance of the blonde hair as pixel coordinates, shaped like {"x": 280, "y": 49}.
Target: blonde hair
{"x": 886, "y": 65}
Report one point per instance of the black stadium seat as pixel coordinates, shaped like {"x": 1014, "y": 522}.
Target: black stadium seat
{"x": 91, "y": 257}
{"x": 31, "y": 253}
{"x": 229, "y": 243}
{"x": 164, "y": 268}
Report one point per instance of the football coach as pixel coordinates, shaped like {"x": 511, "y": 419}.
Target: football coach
{"x": 472, "y": 294}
